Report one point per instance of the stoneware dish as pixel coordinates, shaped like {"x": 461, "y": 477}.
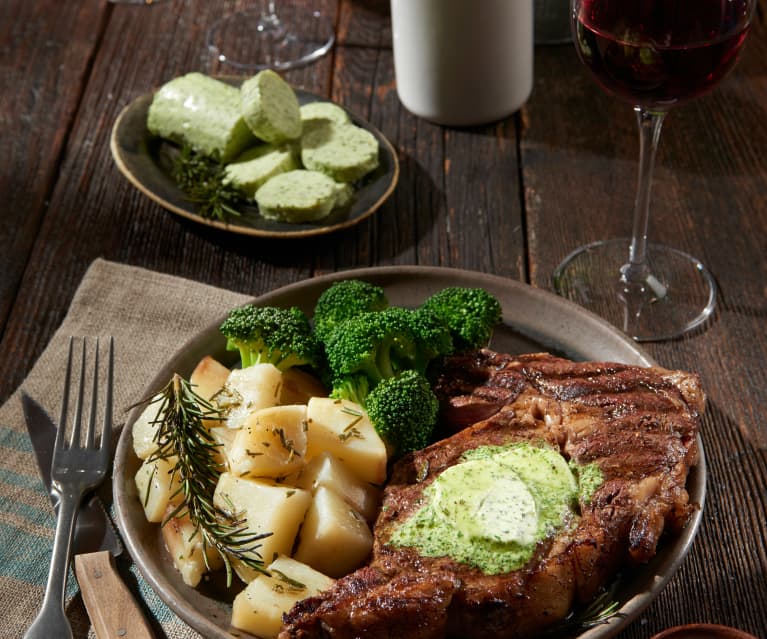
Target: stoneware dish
{"x": 533, "y": 321}
{"x": 147, "y": 160}
{"x": 703, "y": 631}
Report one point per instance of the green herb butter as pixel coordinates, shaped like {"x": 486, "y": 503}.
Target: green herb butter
{"x": 202, "y": 112}
{"x": 300, "y": 196}
{"x": 492, "y": 509}
{"x": 345, "y": 152}
{"x": 253, "y": 168}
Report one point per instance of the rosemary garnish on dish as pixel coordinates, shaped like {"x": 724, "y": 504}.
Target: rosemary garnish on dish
{"x": 182, "y": 434}
{"x": 202, "y": 179}
{"x": 599, "y": 611}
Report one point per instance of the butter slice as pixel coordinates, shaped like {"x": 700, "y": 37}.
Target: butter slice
{"x": 344, "y": 152}
{"x": 270, "y": 108}
{"x": 250, "y": 171}
{"x": 300, "y": 196}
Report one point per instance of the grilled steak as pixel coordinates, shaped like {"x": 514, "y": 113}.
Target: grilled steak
{"x": 638, "y": 425}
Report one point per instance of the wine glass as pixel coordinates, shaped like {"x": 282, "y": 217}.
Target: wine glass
{"x": 654, "y": 54}
{"x": 262, "y": 37}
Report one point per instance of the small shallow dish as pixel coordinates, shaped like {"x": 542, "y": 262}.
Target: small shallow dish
{"x": 533, "y": 321}
{"x": 146, "y": 161}
{"x": 703, "y": 631}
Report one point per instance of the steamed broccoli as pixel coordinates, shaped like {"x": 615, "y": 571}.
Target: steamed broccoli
{"x": 470, "y": 313}
{"x": 433, "y": 337}
{"x": 403, "y": 410}
{"x": 266, "y": 334}
{"x": 367, "y": 349}
{"x": 344, "y": 300}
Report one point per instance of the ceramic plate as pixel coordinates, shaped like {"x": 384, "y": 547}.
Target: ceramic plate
{"x": 533, "y": 321}
{"x": 146, "y": 161}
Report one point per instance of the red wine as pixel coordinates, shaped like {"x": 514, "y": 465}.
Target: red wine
{"x": 657, "y": 53}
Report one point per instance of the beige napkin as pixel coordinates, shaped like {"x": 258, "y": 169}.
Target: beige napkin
{"x": 150, "y": 316}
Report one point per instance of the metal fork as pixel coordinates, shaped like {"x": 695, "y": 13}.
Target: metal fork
{"x": 75, "y": 469}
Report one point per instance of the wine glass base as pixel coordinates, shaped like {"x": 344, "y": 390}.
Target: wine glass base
{"x": 677, "y": 295}
{"x": 252, "y": 40}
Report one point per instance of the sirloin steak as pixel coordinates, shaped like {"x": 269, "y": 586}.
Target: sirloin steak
{"x": 638, "y": 424}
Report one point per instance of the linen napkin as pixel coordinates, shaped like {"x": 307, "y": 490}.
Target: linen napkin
{"x": 150, "y": 316}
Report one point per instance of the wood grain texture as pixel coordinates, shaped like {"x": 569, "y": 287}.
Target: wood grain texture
{"x": 111, "y": 607}
{"x": 512, "y": 198}
{"x": 46, "y": 49}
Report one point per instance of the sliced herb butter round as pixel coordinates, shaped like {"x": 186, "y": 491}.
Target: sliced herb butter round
{"x": 299, "y": 196}
{"x": 202, "y": 112}
{"x": 315, "y": 113}
{"x": 345, "y": 152}
{"x": 251, "y": 170}
{"x": 270, "y": 108}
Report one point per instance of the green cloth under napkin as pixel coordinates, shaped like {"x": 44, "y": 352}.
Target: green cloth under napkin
{"x": 150, "y": 316}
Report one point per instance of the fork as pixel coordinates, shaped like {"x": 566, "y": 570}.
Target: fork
{"x": 75, "y": 469}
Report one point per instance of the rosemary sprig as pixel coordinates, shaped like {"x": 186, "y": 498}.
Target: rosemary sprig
{"x": 182, "y": 434}
{"x": 202, "y": 179}
{"x": 599, "y": 611}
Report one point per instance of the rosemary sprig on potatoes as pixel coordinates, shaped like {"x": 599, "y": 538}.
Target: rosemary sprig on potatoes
{"x": 183, "y": 439}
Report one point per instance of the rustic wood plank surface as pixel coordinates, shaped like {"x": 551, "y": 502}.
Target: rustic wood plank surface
{"x": 511, "y": 198}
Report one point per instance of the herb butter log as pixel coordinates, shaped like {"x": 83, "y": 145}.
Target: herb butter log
{"x": 301, "y": 196}
{"x": 202, "y": 112}
{"x": 270, "y": 108}
{"x": 345, "y": 152}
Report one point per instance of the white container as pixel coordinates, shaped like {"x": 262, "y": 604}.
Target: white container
{"x": 463, "y": 62}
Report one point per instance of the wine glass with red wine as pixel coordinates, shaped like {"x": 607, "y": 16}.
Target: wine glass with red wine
{"x": 653, "y": 54}
{"x": 271, "y": 34}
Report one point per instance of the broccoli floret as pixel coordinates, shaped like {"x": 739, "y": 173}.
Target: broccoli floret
{"x": 471, "y": 314}
{"x": 344, "y": 300}
{"x": 355, "y": 388}
{"x": 433, "y": 337}
{"x": 266, "y": 334}
{"x": 403, "y": 410}
{"x": 372, "y": 345}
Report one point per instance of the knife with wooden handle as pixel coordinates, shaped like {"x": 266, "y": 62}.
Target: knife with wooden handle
{"x": 113, "y": 611}
{"x": 110, "y": 605}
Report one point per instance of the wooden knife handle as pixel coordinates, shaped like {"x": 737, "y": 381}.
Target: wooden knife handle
{"x": 111, "y": 607}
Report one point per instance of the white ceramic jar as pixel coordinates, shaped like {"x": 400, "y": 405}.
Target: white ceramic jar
{"x": 463, "y": 62}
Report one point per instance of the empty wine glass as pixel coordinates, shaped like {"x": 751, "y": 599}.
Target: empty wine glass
{"x": 654, "y": 54}
{"x": 264, "y": 37}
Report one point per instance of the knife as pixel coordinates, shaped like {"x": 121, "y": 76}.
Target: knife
{"x": 111, "y": 607}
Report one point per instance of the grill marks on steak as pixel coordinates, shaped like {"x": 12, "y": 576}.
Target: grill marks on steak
{"x": 638, "y": 424}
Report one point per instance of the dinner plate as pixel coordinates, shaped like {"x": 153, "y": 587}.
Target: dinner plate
{"x": 533, "y": 321}
{"x": 146, "y": 161}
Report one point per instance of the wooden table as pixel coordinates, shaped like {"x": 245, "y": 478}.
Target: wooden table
{"x": 511, "y": 199}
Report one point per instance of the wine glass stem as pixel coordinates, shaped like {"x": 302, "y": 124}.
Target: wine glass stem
{"x": 650, "y": 125}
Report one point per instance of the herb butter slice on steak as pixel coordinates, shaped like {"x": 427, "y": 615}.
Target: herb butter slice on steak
{"x": 627, "y": 434}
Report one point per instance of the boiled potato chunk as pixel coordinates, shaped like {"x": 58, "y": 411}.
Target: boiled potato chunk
{"x": 325, "y": 470}
{"x": 265, "y": 507}
{"x": 185, "y": 545}
{"x": 224, "y": 438}
{"x": 208, "y": 377}
{"x": 335, "y": 539}
{"x": 270, "y": 443}
{"x": 158, "y": 487}
{"x": 342, "y": 428}
{"x": 144, "y": 429}
{"x": 259, "y": 608}
{"x": 298, "y": 387}
{"x": 248, "y": 390}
